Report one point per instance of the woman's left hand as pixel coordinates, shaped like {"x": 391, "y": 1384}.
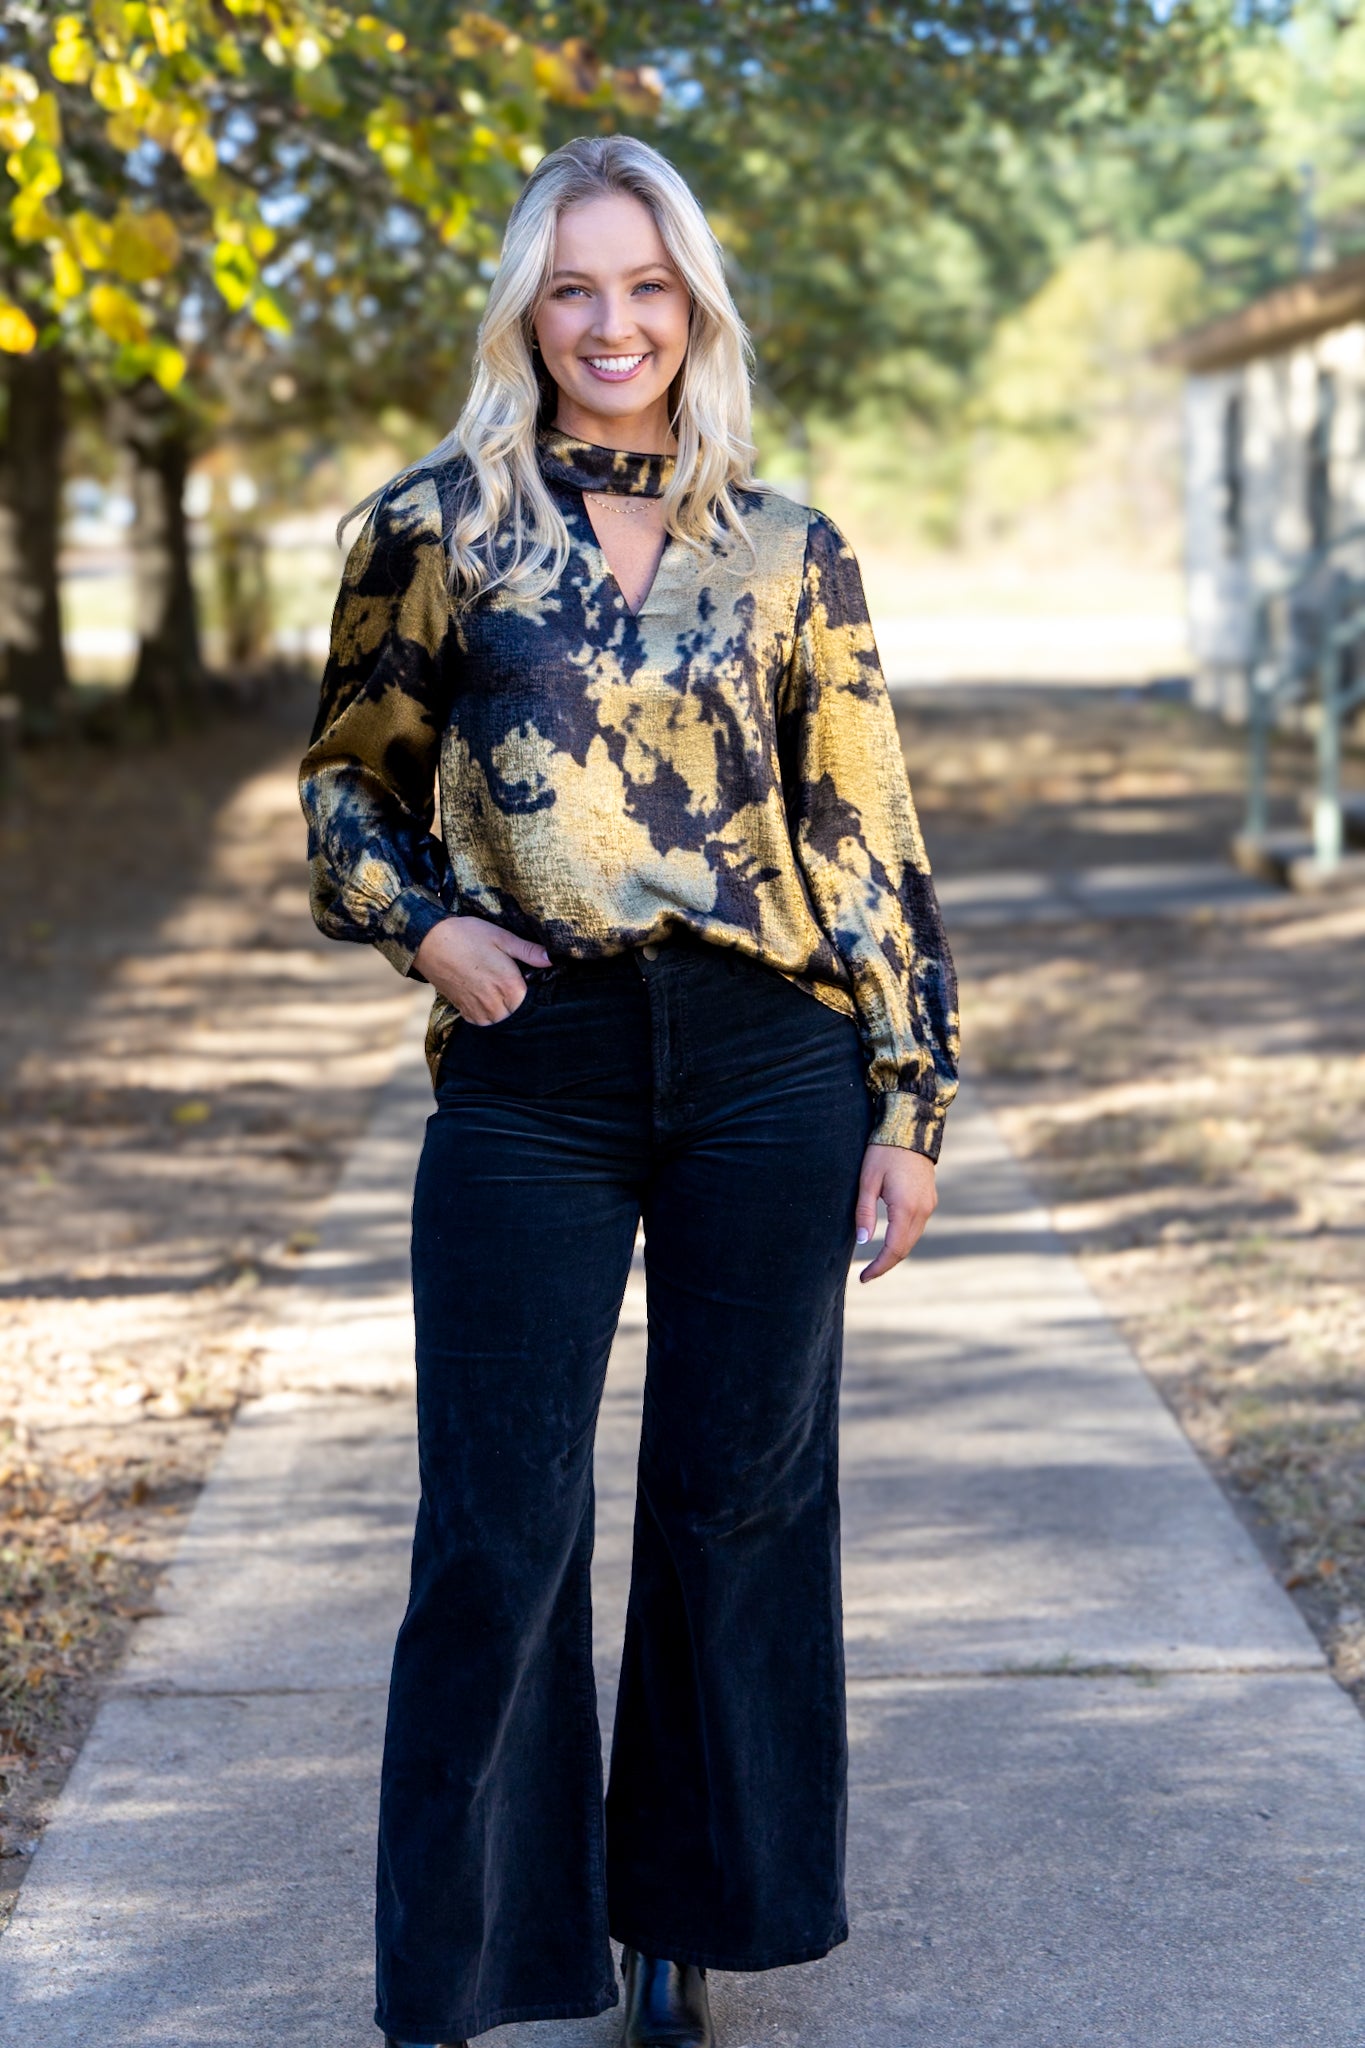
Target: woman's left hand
{"x": 905, "y": 1182}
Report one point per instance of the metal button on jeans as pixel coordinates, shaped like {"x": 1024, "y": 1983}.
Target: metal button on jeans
{"x": 650, "y": 952}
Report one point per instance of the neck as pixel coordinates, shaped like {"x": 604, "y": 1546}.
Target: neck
{"x": 642, "y": 433}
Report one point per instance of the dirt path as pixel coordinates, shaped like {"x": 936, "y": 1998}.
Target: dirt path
{"x": 1188, "y": 1094}
{"x": 183, "y": 1066}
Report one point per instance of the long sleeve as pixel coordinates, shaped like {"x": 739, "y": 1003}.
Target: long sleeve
{"x": 858, "y": 842}
{"x": 367, "y": 782}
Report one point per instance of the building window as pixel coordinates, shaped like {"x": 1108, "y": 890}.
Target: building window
{"x": 1320, "y": 464}
{"x": 1234, "y": 476}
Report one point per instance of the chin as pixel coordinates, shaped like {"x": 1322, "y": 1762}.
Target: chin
{"x": 622, "y": 399}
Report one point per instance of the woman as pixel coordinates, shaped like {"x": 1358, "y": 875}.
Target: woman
{"x": 688, "y": 968}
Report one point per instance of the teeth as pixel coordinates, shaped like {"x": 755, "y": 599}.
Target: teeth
{"x": 616, "y": 362}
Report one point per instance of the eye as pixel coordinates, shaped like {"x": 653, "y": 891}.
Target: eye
{"x": 652, "y": 284}
{"x": 565, "y": 291}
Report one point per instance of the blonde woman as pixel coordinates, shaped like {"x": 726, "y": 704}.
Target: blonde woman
{"x": 688, "y": 968}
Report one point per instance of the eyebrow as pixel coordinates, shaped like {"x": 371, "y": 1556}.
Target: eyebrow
{"x": 638, "y": 271}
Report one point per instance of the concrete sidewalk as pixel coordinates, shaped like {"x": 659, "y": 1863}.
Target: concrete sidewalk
{"x": 1103, "y": 1788}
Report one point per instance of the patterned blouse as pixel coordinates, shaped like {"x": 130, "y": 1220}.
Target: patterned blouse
{"x": 724, "y": 760}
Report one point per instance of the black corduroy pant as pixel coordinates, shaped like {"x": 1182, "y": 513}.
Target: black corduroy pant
{"x": 704, "y": 1092}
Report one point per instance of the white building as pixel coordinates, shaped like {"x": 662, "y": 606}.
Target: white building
{"x": 1274, "y": 464}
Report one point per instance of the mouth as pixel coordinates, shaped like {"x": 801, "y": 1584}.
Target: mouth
{"x": 614, "y": 369}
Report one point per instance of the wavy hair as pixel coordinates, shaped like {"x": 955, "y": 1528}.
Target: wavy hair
{"x": 506, "y": 528}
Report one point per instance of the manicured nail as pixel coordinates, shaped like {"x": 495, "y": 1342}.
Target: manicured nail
{"x": 863, "y": 1235}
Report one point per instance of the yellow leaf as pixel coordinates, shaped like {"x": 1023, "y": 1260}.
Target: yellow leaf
{"x": 17, "y": 332}
{"x": 198, "y": 156}
{"x": 267, "y": 312}
{"x": 191, "y": 1113}
{"x": 16, "y": 127}
{"x": 171, "y": 36}
{"x": 70, "y": 57}
{"x": 124, "y": 133}
{"x": 30, "y": 219}
{"x": 168, "y": 365}
{"x": 108, "y": 23}
{"x": 92, "y": 237}
{"x": 166, "y": 123}
{"x": 71, "y": 62}
{"x": 68, "y": 278}
{"x": 36, "y": 167}
{"x": 234, "y": 273}
{"x": 143, "y": 245}
{"x": 260, "y": 239}
{"x": 47, "y": 119}
{"x": 116, "y": 314}
{"x": 114, "y": 88}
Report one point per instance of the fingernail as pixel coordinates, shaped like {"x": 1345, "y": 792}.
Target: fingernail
{"x": 863, "y": 1235}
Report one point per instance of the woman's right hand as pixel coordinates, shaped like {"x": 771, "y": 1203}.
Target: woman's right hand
{"x": 474, "y": 965}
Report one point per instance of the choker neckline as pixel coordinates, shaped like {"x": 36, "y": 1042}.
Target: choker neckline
{"x": 586, "y": 467}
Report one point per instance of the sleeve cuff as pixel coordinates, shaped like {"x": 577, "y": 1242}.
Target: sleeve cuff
{"x": 411, "y": 915}
{"x": 915, "y": 1122}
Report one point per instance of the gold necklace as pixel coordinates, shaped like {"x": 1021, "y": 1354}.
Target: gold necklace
{"x": 613, "y": 502}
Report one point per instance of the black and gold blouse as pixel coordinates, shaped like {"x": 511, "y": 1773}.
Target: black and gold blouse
{"x": 724, "y": 760}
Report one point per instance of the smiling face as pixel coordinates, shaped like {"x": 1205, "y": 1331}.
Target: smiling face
{"x": 612, "y": 326}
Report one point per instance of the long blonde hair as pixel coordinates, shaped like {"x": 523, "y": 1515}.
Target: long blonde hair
{"x": 503, "y": 495}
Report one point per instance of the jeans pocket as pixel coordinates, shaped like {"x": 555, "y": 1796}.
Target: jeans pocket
{"x": 524, "y": 1007}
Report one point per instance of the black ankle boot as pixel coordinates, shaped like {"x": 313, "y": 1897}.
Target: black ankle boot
{"x": 666, "y": 2003}
{"x": 389, "y": 2042}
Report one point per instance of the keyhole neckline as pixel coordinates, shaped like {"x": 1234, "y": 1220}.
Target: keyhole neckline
{"x": 609, "y": 576}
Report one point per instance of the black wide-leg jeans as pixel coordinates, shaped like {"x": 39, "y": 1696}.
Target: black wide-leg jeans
{"x": 706, "y": 1093}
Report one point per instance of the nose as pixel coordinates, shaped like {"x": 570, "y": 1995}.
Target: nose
{"x": 615, "y": 321}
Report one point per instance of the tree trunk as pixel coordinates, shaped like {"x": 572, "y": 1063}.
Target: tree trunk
{"x": 243, "y": 595}
{"x": 169, "y": 674}
{"x": 30, "y": 533}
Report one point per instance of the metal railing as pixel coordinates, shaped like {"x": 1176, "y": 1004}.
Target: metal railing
{"x": 1309, "y": 643}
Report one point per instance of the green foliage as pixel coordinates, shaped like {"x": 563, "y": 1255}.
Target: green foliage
{"x": 880, "y": 175}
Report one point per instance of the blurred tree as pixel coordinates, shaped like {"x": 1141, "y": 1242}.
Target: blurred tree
{"x": 172, "y": 167}
{"x": 874, "y": 170}
{"x": 30, "y": 519}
